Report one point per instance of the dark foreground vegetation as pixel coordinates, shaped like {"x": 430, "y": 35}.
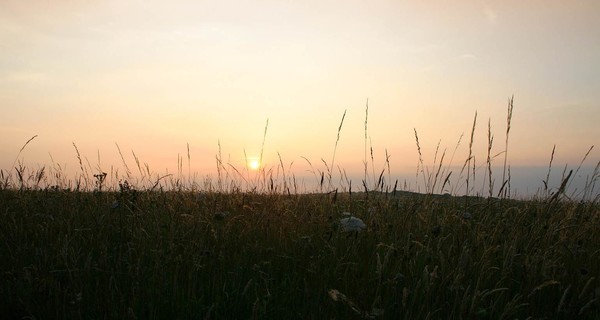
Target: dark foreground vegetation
{"x": 191, "y": 255}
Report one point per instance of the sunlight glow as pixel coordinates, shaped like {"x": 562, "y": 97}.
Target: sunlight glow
{"x": 253, "y": 164}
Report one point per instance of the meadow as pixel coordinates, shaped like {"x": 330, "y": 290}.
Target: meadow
{"x": 169, "y": 249}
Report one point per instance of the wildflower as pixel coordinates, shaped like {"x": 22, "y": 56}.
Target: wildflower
{"x": 350, "y": 223}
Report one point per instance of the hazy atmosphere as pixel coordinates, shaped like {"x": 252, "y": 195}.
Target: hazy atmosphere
{"x": 154, "y": 77}
{"x": 299, "y": 159}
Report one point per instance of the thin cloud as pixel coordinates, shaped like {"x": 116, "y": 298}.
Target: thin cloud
{"x": 466, "y": 56}
{"x": 20, "y": 77}
{"x": 490, "y": 14}
{"x": 421, "y": 48}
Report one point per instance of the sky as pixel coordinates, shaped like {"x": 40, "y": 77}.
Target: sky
{"x": 157, "y": 76}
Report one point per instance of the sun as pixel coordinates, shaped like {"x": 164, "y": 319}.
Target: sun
{"x": 254, "y": 164}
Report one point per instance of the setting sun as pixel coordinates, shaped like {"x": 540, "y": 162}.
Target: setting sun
{"x": 253, "y": 164}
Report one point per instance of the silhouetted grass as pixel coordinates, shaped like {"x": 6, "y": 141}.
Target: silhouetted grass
{"x": 162, "y": 254}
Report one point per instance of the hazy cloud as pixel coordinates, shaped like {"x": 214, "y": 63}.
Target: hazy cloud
{"x": 421, "y": 48}
{"x": 24, "y": 77}
{"x": 490, "y": 14}
{"x": 466, "y": 56}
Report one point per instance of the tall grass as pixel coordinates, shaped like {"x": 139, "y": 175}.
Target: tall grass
{"x": 506, "y": 182}
{"x": 243, "y": 247}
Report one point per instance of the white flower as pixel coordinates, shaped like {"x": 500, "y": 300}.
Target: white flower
{"x": 350, "y": 223}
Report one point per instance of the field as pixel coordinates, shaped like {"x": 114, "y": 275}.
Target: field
{"x": 148, "y": 252}
{"x": 191, "y": 255}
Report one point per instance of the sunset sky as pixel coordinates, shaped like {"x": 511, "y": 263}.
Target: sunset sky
{"x": 153, "y": 76}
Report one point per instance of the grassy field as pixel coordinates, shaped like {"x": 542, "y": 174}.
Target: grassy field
{"x": 186, "y": 255}
{"x": 78, "y": 249}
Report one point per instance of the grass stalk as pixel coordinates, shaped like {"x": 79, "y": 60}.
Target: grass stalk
{"x": 330, "y": 168}
{"x": 508, "y": 124}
